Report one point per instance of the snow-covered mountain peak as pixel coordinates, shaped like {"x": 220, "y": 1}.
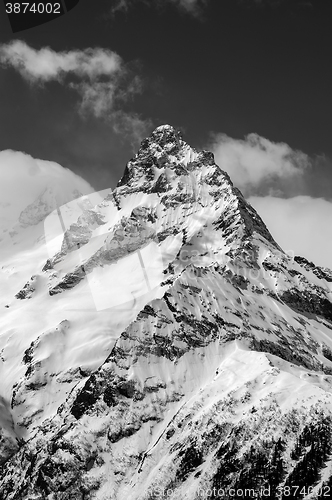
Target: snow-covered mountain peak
{"x": 165, "y": 135}
{"x": 180, "y": 175}
{"x": 166, "y": 343}
{"x": 164, "y": 151}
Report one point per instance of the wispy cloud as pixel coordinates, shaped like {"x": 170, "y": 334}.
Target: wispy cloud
{"x": 98, "y": 75}
{"x": 46, "y": 64}
{"x": 193, "y": 7}
{"x": 256, "y": 163}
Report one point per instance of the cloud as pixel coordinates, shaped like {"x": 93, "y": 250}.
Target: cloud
{"x": 45, "y": 64}
{"x": 301, "y": 224}
{"x": 96, "y": 98}
{"x": 132, "y": 125}
{"x": 101, "y": 78}
{"x": 23, "y": 178}
{"x": 257, "y": 163}
{"x": 193, "y": 7}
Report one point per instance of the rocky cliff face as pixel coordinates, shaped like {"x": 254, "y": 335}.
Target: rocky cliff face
{"x": 170, "y": 348}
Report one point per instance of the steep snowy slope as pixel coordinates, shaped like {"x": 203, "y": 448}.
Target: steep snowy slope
{"x": 164, "y": 346}
{"x": 40, "y": 187}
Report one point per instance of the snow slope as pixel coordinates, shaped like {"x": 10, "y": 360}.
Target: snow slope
{"x": 156, "y": 342}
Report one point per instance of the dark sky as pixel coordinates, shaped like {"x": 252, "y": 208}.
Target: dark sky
{"x": 239, "y": 66}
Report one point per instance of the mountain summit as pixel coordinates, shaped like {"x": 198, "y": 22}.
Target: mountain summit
{"x": 162, "y": 345}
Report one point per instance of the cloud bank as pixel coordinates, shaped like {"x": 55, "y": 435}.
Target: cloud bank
{"x": 300, "y": 224}
{"x": 100, "y": 77}
{"x": 23, "y": 178}
{"x": 256, "y": 163}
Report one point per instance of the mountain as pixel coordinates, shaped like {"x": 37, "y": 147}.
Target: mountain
{"x": 164, "y": 346}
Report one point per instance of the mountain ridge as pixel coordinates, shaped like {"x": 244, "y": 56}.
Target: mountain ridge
{"x": 183, "y": 353}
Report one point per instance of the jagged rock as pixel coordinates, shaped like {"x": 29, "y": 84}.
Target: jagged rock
{"x": 320, "y": 272}
{"x": 28, "y": 289}
{"x": 69, "y": 281}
